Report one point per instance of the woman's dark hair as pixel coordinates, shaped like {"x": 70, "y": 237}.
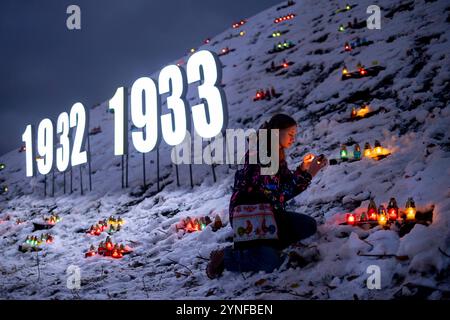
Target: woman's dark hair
{"x": 279, "y": 121}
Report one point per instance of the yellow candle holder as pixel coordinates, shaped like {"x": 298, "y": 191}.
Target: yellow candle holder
{"x": 410, "y": 213}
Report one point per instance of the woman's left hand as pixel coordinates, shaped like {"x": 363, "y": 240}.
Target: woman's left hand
{"x": 317, "y": 164}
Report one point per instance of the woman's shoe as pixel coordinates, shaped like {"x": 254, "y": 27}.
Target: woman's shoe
{"x": 215, "y": 265}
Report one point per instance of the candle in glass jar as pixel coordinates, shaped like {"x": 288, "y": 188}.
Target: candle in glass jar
{"x": 410, "y": 209}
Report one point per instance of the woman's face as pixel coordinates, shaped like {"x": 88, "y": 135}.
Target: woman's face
{"x": 287, "y": 137}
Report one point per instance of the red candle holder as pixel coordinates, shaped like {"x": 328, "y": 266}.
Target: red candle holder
{"x": 393, "y": 214}
{"x": 372, "y": 214}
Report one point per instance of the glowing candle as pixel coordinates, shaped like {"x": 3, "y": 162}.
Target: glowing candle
{"x": 372, "y": 210}
{"x": 367, "y": 150}
{"x": 392, "y": 209}
{"x": 357, "y": 152}
{"x": 382, "y": 217}
{"x": 196, "y": 225}
{"x": 378, "y": 150}
{"x": 347, "y": 47}
{"x": 341, "y": 28}
{"x": 363, "y": 217}
{"x": 410, "y": 209}
{"x": 344, "y": 154}
{"x": 363, "y": 111}
{"x": 116, "y": 252}
{"x": 344, "y": 71}
{"x": 189, "y": 224}
{"x": 351, "y": 218}
{"x": 109, "y": 245}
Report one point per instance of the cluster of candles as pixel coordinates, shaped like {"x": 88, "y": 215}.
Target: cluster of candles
{"x": 191, "y": 225}
{"x": 198, "y": 224}
{"x": 284, "y": 18}
{"x": 114, "y": 224}
{"x": 53, "y": 219}
{"x": 108, "y": 249}
{"x": 361, "y": 70}
{"x": 282, "y": 46}
{"x": 276, "y": 34}
{"x": 268, "y": 94}
{"x": 283, "y": 65}
{"x": 383, "y": 215}
{"x": 356, "y": 152}
{"x": 224, "y": 51}
{"x": 239, "y": 24}
{"x": 34, "y": 241}
{"x": 374, "y": 153}
{"x": 377, "y": 151}
{"x": 361, "y": 112}
{"x": 356, "y": 43}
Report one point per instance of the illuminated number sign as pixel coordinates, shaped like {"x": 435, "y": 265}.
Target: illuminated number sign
{"x": 63, "y": 144}
{"x": 209, "y": 117}
{"x": 68, "y": 150}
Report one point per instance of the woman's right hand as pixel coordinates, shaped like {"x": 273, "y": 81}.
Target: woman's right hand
{"x": 317, "y": 164}
{"x": 307, "y": 160}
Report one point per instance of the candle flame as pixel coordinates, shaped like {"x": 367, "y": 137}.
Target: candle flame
{"x": 363, "y": 111}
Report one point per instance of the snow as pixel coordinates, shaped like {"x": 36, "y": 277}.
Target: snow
{"x": 414, "y": 90}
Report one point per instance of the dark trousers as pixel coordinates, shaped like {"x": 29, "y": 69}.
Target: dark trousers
{"x": 292, "y": 227}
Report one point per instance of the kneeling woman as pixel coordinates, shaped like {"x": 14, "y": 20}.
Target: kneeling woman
{"x": 260, "y": 222}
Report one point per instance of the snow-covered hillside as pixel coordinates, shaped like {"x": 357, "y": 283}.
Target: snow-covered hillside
{"x": 413, "y": 90}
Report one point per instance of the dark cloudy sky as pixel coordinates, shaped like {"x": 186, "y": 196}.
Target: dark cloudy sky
{"x": 45, "y": 68}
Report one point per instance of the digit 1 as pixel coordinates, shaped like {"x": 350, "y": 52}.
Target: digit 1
{"x": 119, "y": 103}
{"x": 27, "y": 138}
